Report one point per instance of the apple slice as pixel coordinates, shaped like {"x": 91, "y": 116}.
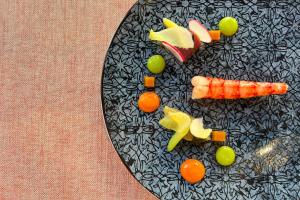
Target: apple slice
{"x": 197, "y": 129}
{"x": 199, "y": 31}
{"x": 169, "y": 23}
{"x": 167, "y": 110}
{"x": 176, "y": 36}
{"x": 183, "y": 121}
{"x": 168, "y": 123}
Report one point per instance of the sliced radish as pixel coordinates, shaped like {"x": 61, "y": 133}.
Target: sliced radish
{"x": 180, "y": 53}
{"x": 197, "y": 42}
{"x": 199, "y": 31}
{"x": 175, "y": 51}
{"x": 187, "y": 53}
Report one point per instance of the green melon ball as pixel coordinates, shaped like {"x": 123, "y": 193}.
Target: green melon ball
{"x": 228, "y": 26}
{"x": 156, "y": 64}
{"x": 225, "y": 156}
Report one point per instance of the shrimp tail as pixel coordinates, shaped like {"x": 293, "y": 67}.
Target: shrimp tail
{"x": 217, "y": 88}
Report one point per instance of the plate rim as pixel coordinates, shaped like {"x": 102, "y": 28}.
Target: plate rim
{"x": 102, "y": 98}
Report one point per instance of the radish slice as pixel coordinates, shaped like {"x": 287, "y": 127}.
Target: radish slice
{"x": 197, "y": 42}
{"x": 199, "y": 31}
{"x": 175, "y": 51}
{"x": 187, "y": 53}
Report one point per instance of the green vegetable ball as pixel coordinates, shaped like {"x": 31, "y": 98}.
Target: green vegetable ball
{"x": 228, "y": 26}
{"x": 225, "y": 156}
{"x": 156, "y": 64}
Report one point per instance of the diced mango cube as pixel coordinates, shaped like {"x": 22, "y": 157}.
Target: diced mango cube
{"x": 149, "y": 82}
{"x": 218, "y": 136}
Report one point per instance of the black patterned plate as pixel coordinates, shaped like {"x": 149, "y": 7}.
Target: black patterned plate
{"x": 266, "y": 48}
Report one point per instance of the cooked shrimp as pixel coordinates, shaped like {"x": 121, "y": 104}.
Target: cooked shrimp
{"x": 216, "y": 88}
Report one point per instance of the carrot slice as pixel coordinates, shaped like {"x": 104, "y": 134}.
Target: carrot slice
{"x": 218, "y": 136}
{"x": 215, "y": 35}
{"x": 149, "y": 102}
{"x": 149, "y": 82}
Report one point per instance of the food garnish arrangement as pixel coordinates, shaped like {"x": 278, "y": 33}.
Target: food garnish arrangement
{"x": 183, "y": 43}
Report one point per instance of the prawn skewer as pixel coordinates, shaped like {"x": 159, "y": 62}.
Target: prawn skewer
{"x": 217, "y": 88}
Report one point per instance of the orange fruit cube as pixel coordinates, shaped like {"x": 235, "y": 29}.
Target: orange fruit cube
{"x": 149, "y": 82}
{"x": 215, "y": 35}
{"x": 218, "y": 136}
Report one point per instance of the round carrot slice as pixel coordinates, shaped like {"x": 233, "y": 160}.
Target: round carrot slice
{"x": 149, "y": 102}
{"x": 192, "y": 171}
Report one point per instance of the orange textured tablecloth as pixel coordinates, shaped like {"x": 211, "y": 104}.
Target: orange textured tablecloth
{"x": 53, "y": 142}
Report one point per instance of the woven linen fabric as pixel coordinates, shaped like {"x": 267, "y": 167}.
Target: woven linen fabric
{"x": 53, "y": 141}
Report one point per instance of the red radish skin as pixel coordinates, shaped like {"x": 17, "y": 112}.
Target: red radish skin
{"x": 197, "y": 42}
{"x": 175, "y": 51}
{"x": 199, "y": 31}
{"x": 187, "y": 53}
{"x": 231, "y": 89}
{"x": 181, "y": 54}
